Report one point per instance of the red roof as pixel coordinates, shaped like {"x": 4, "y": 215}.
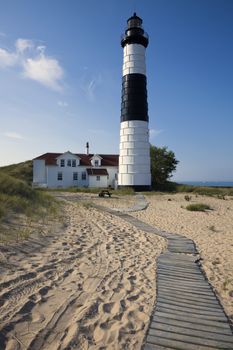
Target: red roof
{"x": 107, "y": 159}
{"x": 94, "y": 172}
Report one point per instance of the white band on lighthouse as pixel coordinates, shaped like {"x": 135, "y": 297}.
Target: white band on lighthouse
{"x": 134, "y": 59}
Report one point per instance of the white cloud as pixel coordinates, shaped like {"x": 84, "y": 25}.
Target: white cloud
{"x": 154, "y": 132}
{"x": 34, "y": 63}
{"x": 44, "y": 70}
{"x": 23, "y": 44}
{"x": 62, "y": 104}
{"x": 7, "y": 59}
{"x": 13, "y": 135}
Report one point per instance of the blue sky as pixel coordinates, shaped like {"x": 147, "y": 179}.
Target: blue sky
{"x": 60, "y": 79}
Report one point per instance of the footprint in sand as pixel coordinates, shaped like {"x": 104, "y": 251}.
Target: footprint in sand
{"x": 108, "y": 307}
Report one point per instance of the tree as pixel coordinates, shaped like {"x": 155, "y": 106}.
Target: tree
{"x": 163, "y": 163}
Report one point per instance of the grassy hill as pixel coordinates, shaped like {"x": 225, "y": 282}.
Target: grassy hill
{"x": 20, "y": 204}
{"x": 20, "y": 171}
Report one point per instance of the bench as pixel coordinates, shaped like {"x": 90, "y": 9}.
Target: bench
{"x": 104, "y": 192}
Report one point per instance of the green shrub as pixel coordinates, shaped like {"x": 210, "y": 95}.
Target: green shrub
{"x": 198, "y": 207}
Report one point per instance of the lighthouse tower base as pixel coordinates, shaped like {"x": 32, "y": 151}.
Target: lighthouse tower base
{"x": 134, "y": 158}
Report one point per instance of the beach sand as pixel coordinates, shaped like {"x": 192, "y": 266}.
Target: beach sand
{"x": 88, "y": 285}
{"x": 212, "y": 231}
{"x": 91, "y": 284}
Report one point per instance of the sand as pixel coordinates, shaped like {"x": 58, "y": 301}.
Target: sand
{"x": 212, "y": 231}
{"x": 92, "y": 283}
{"x": 89, "y": 285}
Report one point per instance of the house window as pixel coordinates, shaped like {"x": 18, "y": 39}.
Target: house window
{"x": 75, "y": 176}
{"x": 98, "y": 178}
{"x": 84, "y": 175}
{"x": 59, "y": 176}
{"x": 69, "y": 162}
{"x": 96, "y": 162}
{"x": 73, "y": 163}
{"x": 116, "y": 177}
{"x": 62, "y": 162}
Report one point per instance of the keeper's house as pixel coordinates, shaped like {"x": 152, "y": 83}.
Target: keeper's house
{"x": 61, "y": 170}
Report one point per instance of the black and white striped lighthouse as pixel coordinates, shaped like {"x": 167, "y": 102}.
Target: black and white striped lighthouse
{"x": 134, "y": 159}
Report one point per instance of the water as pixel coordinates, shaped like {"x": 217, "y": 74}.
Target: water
{"x": 208, "y": 183}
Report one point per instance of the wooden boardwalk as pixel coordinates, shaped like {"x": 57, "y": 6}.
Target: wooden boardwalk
{"x": 187, "y": 315}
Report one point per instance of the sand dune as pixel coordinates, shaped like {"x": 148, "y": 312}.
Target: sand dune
{"x": 88, "y": 286}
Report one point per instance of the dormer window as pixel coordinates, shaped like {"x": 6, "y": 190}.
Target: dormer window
{"x": 62, "y": 162}
{"x": 69, "y": 162}
{"x": 96, "y": 160}
{"x": 73, "y": 163}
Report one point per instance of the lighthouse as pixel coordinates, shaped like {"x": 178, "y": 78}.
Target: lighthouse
{"x": 134, "y": 158}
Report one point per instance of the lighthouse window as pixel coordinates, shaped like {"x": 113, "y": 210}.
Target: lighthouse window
{"x": 62, "y": 163}
{"x": 59, "y": 176}
{"x": 73, "y": 163}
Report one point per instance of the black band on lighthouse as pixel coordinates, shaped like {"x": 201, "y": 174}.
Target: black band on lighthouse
{"x": 134, "y": 98}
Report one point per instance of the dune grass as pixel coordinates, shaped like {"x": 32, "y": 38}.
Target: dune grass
{"x": 219, "y": 192}
{"x": 20, "y": 171}
{"x": 198, "y": 207}
{"x": 22, "y": 206}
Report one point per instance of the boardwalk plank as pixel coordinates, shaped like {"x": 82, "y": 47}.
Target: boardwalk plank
{"x": 184, "y": 281}
{"x": 190, "y": 296}
{"x": 181, "y": 289}
{"x": 190, "y": 339}
{"x": 190, "y": 318}
{"x": 187, "y": 303}
{"x": 169, "y": 268}
{"x": 192, "y": 332}
{"x": 193, "y": 325}
{"x": 174, "y": 344}
{"x": 184, "y": 274}
{"x": 206, "y": 316}
{"x": 194, "y": 306}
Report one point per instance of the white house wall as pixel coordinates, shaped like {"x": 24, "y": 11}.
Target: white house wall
{"x": 39, "y": 172}
{"x": 112, "y": 172}
{"x": 67, "y": 177}
{"x": 93, "y": 182}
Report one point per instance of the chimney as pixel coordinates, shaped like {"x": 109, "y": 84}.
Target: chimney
{"x": 87, "y": 148}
